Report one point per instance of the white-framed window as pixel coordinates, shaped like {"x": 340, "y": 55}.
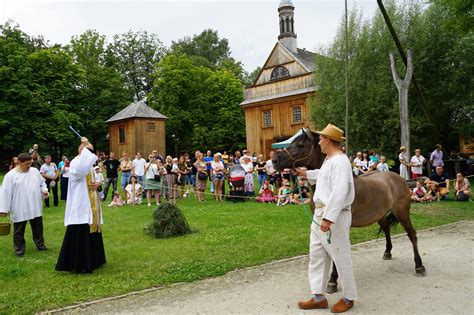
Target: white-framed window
{"x": 267, "y": 118}
{"x": 297, "y": 115}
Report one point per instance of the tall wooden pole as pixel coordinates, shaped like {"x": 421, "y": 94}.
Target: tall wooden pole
{"x": 403, "y": 87}
{"x": 424, "y": 105}
{"x": 347, "y": 83}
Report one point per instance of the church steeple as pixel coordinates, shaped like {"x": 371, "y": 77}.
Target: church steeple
{"x": 287, "y": 35}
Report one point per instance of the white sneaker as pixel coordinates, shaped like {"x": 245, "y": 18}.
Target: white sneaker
{"x": 149, "y": 204}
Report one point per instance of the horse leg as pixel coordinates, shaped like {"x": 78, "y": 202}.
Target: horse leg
{"x": 405, "y": 221}
{"x": 332, "y": 283}
{"x": 385, "y": 227}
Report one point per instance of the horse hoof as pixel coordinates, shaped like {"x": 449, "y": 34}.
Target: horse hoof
{"x": 387, "y": 256}
{"x": 420, "y": 271}
{"x": 331, "y": 288}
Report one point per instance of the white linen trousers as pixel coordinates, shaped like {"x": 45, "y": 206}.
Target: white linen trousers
{"x": 321, "y": 255}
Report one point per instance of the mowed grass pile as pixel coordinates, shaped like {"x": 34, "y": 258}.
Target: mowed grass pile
{"x": 226, "y": 236}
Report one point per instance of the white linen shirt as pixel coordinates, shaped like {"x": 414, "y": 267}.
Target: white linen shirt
{"x": 78, "y": 205}
{"x": 417, "y": 164}
{"x": 21, "y": 194}
{"x": 334, "y": 187}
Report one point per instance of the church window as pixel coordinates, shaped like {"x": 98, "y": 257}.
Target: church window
{"x": 292, "y": 26}
{"x": 287, "y": 25}
{"x": 282, "y": 26}
{"x": 279, "y": 73}
{"x": 267, "y": 119}
{"x": 297, "y": 117}
{"x": 122, "y": 134}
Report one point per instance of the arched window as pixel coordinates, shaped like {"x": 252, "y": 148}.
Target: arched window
{"x": 279, "y": 73}
{"x": 282, "y": 26}
{"x": 292, "y": 26}
{"x": 287, "y": 25}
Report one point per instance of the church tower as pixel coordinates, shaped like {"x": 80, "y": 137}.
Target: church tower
{"x": 287, "y": 35}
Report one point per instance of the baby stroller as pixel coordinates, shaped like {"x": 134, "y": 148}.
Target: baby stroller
{"x": 236, "y": 180}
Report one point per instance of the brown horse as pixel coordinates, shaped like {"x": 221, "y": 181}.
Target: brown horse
{"x": 376, "y": 195}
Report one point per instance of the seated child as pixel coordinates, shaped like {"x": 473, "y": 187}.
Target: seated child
{"x": 284, "y": 193}
{"x": 134, "y": 192}
{"x": 433, "y": 191}
{"x": 419, "y": 193}
{"x": 117, "y": 201}
{"x": 266, "y": 193}
{"x": 305, "y": 196}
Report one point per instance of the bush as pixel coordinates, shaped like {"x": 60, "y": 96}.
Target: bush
{"x": 168, "y": 221}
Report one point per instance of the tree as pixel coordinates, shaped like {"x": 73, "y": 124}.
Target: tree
{"x": 38, "y": 92}
{"x": 442, "y": 64}
{"x": 208, "y": 50}
{"x": 252, "y": 76}
{"x": 134, "y": 55}
{"x": 206, "y": 45}
{"x": 102, "y": 92}
{"x": 202, "y": 105}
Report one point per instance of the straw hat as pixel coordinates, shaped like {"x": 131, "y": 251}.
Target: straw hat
{"x": 332, "y": 132}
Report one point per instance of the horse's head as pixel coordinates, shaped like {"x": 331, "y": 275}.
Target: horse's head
{"x": 303, "y": 151}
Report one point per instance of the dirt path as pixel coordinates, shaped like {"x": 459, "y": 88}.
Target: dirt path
{"x": 384, "y": 286}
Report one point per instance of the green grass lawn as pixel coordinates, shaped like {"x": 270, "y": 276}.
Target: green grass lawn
{"x": 227, "y": 236}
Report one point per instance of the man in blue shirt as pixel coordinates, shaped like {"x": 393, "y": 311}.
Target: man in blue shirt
{"x": 442, "y": 180}
{"x": 208, "y": 160}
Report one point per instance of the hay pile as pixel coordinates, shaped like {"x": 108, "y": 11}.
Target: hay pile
{"x": 168, "y": 221}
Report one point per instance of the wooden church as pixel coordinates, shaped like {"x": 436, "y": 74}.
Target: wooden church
{"x": 276, "y": 105}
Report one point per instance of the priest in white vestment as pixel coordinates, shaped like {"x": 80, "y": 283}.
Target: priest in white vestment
{"x": 329, "y": 238}
{"x": 21, "y": 195}
{"x": 83, "y": 249}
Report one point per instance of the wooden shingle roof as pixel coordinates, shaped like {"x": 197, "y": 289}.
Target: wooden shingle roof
{"x": 136, "y": 110}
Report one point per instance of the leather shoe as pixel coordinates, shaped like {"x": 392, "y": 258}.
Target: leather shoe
{"x": 41, "y": 248}
{"x": 312, "y": 304}
{"x": 342, "y": 306}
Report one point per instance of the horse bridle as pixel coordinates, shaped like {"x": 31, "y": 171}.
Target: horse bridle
{"x": 294, "y": 161}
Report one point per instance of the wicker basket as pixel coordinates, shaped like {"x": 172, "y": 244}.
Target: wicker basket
{"x": 5, "y": 228}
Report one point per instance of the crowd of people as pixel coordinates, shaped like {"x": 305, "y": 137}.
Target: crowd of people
{"x": 433, "y": 188}
{"x": 172, "y": 178}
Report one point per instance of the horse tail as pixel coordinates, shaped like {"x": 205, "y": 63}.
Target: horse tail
{"x": 392, "y": 221}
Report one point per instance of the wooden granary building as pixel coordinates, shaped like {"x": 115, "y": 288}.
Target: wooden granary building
{"x": 276, "y": 105}
{"x": 137, "y": 128}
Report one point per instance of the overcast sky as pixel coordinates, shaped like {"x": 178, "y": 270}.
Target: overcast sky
{"x": 250, "y": 26}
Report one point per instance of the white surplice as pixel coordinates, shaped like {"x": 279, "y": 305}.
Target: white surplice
{"x": 21, "y": 194}
{"x": 333, "y": 197}
{"x": 78, "y": 205}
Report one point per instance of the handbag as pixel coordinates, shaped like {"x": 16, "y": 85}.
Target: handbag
{"x": 202, "y": 175}
{"x": 156, "y": 177}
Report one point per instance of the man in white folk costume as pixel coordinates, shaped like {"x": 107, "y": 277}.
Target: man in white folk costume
{"x": 83, "y": 248}
{"x": 21, "y": 194}
{"x": 329, "y": 238}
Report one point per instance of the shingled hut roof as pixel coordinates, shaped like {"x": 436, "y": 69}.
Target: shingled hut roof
{"x": 136, "y": 110}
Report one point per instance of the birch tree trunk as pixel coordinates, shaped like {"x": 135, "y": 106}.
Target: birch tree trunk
{"x": 403, "y": 87}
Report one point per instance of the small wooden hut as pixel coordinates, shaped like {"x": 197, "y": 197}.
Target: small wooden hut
{"x": 137, "y": 128}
